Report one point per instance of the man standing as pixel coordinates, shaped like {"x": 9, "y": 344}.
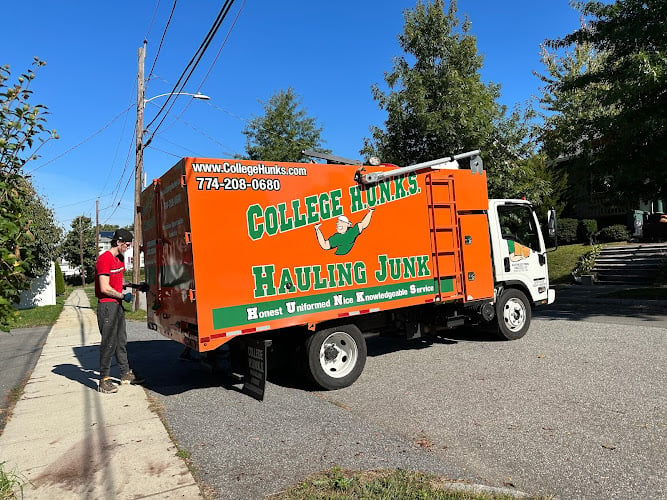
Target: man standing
{"x": 110, "y": 313}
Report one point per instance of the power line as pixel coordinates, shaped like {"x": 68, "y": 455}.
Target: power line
{"x": 189, "y": 69}
{"x": 84, "y": 141}
{"x": 215, "y": 60}
{"x": 150, "y": 26}
{"x": 164, "y": 33}
{"x": 115, "y": 155}
{"x": 119, "y": 201}
{"x": 162, "y": 138}
{"x": 204, "y": 134}
{"x": 166, "y": 152}
{"x": 80, "y": 202}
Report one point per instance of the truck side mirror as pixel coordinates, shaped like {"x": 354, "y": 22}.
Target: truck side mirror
{"x": 552, "y": 225}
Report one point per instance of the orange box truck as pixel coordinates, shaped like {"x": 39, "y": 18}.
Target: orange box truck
{"x": 316, "y": 254}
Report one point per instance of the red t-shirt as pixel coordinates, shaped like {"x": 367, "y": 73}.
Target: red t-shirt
{"x": 113, "y": 267}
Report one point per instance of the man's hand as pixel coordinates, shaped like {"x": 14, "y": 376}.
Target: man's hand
{"x": 128, "y": 297}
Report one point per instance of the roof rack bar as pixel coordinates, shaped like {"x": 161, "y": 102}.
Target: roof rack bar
{"x": 446, "y": 162}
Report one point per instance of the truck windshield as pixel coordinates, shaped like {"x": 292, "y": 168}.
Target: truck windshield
{"x": 518, "y": 224}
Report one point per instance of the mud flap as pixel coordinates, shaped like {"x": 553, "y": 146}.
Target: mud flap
{"x": 254, "y": 379}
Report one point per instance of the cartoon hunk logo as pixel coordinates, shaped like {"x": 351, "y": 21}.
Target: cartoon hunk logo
{"x": 346, "y": 234}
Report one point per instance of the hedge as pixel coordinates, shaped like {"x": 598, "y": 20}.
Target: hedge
{"x": 567, "y": 231}
{"x": 617, "y": 232}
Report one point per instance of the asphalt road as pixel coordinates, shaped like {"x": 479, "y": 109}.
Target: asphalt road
{"x": 576, "y": 409}
{"x": 19, "y": 351}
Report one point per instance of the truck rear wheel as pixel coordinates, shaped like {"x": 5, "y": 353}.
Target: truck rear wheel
{"x": 514, "y": 313}
{"x": 336, "y": 356}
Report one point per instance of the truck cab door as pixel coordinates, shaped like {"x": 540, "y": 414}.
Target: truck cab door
{"x": 518, "y": 247}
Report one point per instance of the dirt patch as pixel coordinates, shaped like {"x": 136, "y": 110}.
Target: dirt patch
{"x": 75, "y": 468}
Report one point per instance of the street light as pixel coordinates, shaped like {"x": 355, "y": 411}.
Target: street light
{"x": 139, "y": 162}
{"x": 198, "y": 95}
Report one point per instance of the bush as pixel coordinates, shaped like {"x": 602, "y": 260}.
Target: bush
{"x": 567, "y": 231}
{"x": 586, "y": 229}
{"x": 617, "y": 232}
{"x": 60, "y": 280}
{"x": 586, "y": 262}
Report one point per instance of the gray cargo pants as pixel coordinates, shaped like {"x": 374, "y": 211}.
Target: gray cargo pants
{"x": 111, "y": 321}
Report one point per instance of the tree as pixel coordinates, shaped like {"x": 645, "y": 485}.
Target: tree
{"x": 437, "y": 105}
{"x": 620, "y": 137}
{"x": 22, "y": 125}
{"x": 283, "y": 132}
{"x": 46, "y": 234}
{"x": 81, "y": 238}
{"x": 559, "y": 136}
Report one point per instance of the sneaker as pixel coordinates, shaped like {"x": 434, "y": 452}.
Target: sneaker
{"x": 131, "y": 378}
{"x": 107, "y": 386}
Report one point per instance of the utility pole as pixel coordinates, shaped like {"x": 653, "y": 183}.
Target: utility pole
{"x": 138, "y": 171}
{"x": 97, "y": 226}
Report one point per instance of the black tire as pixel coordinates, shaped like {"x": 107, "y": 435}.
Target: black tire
{"x": 513, "y": 312}
{"x": 336, "y": 356}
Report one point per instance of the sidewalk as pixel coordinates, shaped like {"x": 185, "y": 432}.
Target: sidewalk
{"x": 69, "y": 441}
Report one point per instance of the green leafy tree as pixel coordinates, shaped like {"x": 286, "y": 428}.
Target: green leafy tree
{"x": 81, "y": 237}
{"x": 564, "y": 108}
{"x": 22, "y": 133}
{"x": 619, "y": 136}
{"x": 283, "y": 131}
{"x": 46, "y": 234}
{"x": 437, "y": 104}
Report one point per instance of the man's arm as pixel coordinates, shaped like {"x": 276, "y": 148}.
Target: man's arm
{"x": 107, "y": 289}
{"x": 366, "y": 220}
{"x": 320, "y": 238}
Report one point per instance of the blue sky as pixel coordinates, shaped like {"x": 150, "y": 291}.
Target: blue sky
{"x": 329, "y": 52}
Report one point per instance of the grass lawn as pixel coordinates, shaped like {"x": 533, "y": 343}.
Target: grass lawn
{"x": 39, "y": 316}
{"x": 341, "y": 484}
{"x": 47, "y": 315}
{"x": 563, "y": 260}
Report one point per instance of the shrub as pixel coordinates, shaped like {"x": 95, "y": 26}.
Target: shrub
{"x": 586, "y": 229}
{"x": 586, "y": 262}
{"x": 617, "y": 232}
{"x": 60, "y": 280}
{"x": 567, "y": 231}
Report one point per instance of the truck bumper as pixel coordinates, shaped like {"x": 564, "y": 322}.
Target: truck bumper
{"x": 551, "y": 296}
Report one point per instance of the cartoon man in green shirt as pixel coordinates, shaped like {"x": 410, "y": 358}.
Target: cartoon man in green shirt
{"x": 346, "y": 233}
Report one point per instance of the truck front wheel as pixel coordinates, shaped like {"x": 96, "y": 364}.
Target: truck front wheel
{"x": 336, "y": 356}
{"x": 513, "y": 313}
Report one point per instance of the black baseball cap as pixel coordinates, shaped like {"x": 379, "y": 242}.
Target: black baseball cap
{"x": 122, "y": 235}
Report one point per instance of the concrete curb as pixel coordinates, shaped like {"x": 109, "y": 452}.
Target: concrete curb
{"x": 69, "y": 441}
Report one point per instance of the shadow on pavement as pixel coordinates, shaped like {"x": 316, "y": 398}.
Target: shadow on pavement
{"x": 587, "y": 310}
